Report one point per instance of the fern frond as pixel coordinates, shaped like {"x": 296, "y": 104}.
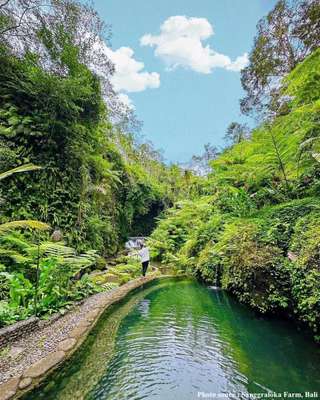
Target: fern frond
{"x": 28, "y": 223}
{"x": 79, "y": 262}
{"x": 16, "y": 240}
{"x": 57, "y": 250}
{"x": 68, "y": 255}
{"x": 7, "y": 252}
{"x": 21, "y": 168}
{"x": 114, "y": 176}
{"x": 13, "y": 255}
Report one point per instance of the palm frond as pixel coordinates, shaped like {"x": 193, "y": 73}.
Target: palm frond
{"x": 21, "y": 168}
{"x": 31, "y": 224}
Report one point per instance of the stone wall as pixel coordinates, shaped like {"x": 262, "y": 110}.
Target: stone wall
{"x": 21, "y": 329}
{"x": 18, "y": 330}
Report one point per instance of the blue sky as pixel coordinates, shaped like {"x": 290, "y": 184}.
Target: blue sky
{"x": 187, "y": 90}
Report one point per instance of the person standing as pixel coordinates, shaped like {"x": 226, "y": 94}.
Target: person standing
{"x": 145, "y": 258}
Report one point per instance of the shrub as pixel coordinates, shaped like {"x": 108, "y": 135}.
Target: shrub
{"x": 305, "y": 274}
{"x": 251, "y": 270}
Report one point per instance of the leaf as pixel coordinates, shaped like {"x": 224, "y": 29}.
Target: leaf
{"x": 21, "y": 168}
{"x": 57, "y": 250}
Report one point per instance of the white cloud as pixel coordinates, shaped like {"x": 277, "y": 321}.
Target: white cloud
{"x": 129, "y": 75}
{"x": 180, "y": 44}
{"x": 239, "y": 63}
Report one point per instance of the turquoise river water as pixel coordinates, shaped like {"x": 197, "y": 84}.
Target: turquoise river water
{"x": 177, "y": 340}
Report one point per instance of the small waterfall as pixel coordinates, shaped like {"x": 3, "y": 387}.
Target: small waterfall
{"x": 133, "y": 243}
{"x": 216, "y": 280}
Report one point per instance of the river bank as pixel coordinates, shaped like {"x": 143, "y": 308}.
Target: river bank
{"x": 26, "y": 361}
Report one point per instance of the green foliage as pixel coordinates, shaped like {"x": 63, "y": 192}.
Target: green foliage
{"x": 22, "y": 168}
{"x": 130, "y": 268}
{"x": 9, "y": 226}
{"x": 31, "y": 224}
{"x": 252, "y": 270}
{"x": 279, "y": 221}
{"x": 60, "y": 281}
{"x": 305, "y": 274}
{"x": 257, "y": 234}
{"x": 97, "y": 184}
{"x": 172, "y": 232}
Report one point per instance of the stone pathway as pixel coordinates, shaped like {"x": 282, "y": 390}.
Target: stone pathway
{"x": 26, "y": 361}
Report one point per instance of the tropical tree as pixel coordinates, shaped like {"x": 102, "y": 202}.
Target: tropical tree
{"x": 52, "y": 30}
{"x": 236, "y": 133}
{"x": 285, "y": 37}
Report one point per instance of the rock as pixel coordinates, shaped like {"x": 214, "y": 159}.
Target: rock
{"x": 9, "y": 388}
{"x": 44, "y": 365}
{"x": 111, "y": 278}
{"x": 78, "y": 332}
{"x": 24, "y": 383}
{"x": 67, "y": 344}
{"x": 7, "y": 395}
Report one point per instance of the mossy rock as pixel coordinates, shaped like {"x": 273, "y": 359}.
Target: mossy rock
{"x": 101, "y": 263}
{"x": 112, "y": 278}
{"x": 133, "y": 269}
{"x": 124, "y": 278}
{"x": 105, "y": 278}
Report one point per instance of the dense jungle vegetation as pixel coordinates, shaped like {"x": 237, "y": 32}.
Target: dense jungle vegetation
{"x": 71, "y": 159}
{"x": 77, "y": 179}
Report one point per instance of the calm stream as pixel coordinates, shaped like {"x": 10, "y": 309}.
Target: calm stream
{"x": 176, "y": 338}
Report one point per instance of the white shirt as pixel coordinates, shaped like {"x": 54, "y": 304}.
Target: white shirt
{"x": 144, "y": 254}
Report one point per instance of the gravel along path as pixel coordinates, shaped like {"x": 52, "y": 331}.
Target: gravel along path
{"x": 20, "y": 354}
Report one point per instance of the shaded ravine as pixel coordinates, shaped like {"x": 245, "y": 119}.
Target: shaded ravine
{"x": 177, "y": 338}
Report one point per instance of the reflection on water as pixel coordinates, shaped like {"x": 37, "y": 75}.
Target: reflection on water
{"x": 143, "y": 307}
{"x": 178, "y": 338}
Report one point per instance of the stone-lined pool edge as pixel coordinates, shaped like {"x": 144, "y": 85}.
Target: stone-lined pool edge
{"x": 32, "y": 376}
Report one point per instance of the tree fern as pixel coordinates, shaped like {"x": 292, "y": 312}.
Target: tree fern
{"x": 15, "y": 240}
{"x": 31, "y": 224}
{"x": 68, "y": 255}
